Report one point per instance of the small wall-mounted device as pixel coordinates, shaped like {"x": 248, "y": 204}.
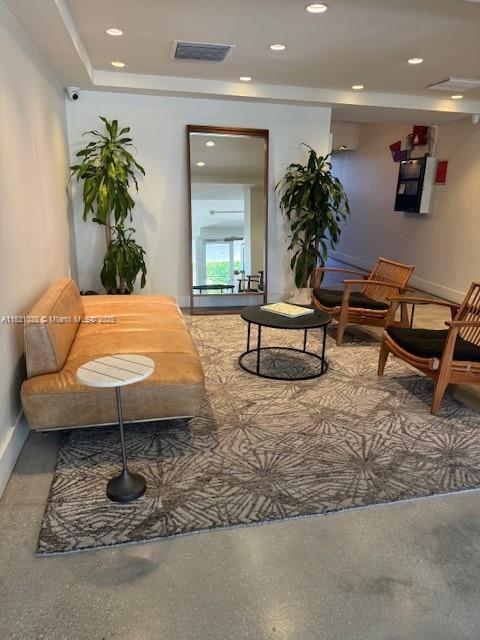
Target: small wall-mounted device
{"x": 415, "y": 182}
{"x": 73, "y": 93}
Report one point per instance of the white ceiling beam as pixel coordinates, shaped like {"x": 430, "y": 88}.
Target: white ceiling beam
{"x": 72, "y": 30}
{"x": 174, "y": 85}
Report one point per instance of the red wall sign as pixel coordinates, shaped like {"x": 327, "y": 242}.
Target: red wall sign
{"x": 419, "y": 136}
{"x": 441, "y": 177}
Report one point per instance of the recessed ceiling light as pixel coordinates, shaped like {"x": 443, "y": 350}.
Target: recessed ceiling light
{"x": 456, "y": 97}
{"x": 415, "y": 60}
{"x": 210, "y": 143}
{"x": 316, "y": 8}
{"x": 118, "y": 64}
{"x": 357, "y": 87}
{"x": 278, "y": 47}
{"x": 245, "y": 78}
{"x": 114, "y": 32}
{"x": 200, "y": 164}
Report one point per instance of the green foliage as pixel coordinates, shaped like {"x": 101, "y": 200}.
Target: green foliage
{"x": 123, "y": 261}
{"x": 218, "y": 272}
{"x": 314, "y": 203}
{"x": 107, "y": 170}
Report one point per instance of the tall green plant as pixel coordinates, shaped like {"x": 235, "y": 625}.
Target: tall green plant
{"x": 314, "y": 203}
{"x": 108, "y": 171}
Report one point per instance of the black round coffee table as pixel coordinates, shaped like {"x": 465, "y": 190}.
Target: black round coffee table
{"x": 256, "y": 315}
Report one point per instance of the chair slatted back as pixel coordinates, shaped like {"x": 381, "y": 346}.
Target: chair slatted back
{"x": 391, "y": 272}
{"x": 470, "y": 312}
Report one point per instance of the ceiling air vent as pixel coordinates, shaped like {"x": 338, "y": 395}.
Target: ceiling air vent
{"x": 455, "y": 84}
{"x": 201, "y": 51}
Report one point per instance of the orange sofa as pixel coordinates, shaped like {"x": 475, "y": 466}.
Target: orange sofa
{"x": 66, "y": 330}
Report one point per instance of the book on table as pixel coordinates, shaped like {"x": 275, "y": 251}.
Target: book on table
{"x": 287, "y": 310}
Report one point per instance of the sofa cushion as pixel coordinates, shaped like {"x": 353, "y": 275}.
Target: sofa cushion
{"x": 429, "y": 343}
{"x": 333, "y": 298}
{"x": 57, "y": 317}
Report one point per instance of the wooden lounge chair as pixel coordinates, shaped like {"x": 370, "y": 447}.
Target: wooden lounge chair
{"x": 448, "y": 355}
{"x": 371, "y": 305}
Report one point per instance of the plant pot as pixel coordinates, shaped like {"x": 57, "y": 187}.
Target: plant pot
{"x": 302, "y": 296}
{"x": 118, "y": 292}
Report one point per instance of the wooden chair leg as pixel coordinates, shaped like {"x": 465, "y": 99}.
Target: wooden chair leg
{"x": 342, "y": 324}
{"x": 343, "y": 317}
{"x": 444, "y": 372}
{"x": 382, "y": 360}
{"x": 404, "y": 322}
{"x": 441, "y": 385}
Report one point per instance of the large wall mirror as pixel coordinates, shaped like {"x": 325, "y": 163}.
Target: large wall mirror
{"x": 228, "y": 192}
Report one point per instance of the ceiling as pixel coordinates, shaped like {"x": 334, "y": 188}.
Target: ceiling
{"x": 226, "y": 201}
{"x": 236, "y": 159}
{"x": 231, "y": 165}
{"x": 355, "y": 41}
{"x": 363, "y": 42}
{"x": 372, "y": 114}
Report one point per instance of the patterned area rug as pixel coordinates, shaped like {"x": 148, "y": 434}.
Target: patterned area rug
{"x": 265, "y": 450}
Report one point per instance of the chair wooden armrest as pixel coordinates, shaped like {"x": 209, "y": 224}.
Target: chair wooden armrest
{"x": 395, "y": 301}
{"x": 463, "y": 323}
{"x": 423, "y": 300}
{"x": 315, "y": 279}
{"x": 358, "y": 273}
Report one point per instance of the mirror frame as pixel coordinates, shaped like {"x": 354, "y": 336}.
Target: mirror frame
{"x": 233, "y": 131}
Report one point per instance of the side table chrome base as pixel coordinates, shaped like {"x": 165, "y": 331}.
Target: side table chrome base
{"x": 126, "y": 486}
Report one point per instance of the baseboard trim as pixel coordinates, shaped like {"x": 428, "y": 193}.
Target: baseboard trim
{"x": 438, "y": 289}
{"x": 422, "y": 284}
{"x": 350, "y": 261}
{"x": 10, "y": 447}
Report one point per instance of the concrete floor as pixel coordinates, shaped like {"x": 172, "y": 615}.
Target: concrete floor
{"x": 406, "y": 571}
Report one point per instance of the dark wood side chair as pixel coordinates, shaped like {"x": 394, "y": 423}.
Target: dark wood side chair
{"x": 371, "y": 305}
{"x": 448, "y": 356}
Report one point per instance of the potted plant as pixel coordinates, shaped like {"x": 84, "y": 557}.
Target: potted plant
{"x": 314, "y": 203}
{"x": 123, "y": 262}
{"x": 108, "y": 170}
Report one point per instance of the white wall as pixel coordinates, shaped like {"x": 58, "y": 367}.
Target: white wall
{"x": 345, "y": 134}
{"x": 34, "y": 237}
{"x": 158, "y": 127}
{"x": 442, "y": 245}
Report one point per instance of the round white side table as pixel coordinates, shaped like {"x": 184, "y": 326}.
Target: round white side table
{"x": 117, "y": 371}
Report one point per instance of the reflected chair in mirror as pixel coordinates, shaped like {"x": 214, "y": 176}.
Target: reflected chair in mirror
{"x": 251, "y": 283}
{"x": 447, "y": 356}
{"x": 369, "y": 306}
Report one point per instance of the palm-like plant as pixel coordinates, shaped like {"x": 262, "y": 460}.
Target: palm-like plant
{"x": 314, "y": 203}
{"x": 108, "y": 170}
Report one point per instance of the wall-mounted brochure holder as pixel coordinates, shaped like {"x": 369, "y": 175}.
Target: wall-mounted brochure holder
{"x": 414, "y": 187}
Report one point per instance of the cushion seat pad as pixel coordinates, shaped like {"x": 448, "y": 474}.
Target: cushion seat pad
{"x": 429, "y": 343}
{"x": 333, "y": 298}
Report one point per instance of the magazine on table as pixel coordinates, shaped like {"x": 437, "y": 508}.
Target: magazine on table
{"x": 287, "y": 310}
